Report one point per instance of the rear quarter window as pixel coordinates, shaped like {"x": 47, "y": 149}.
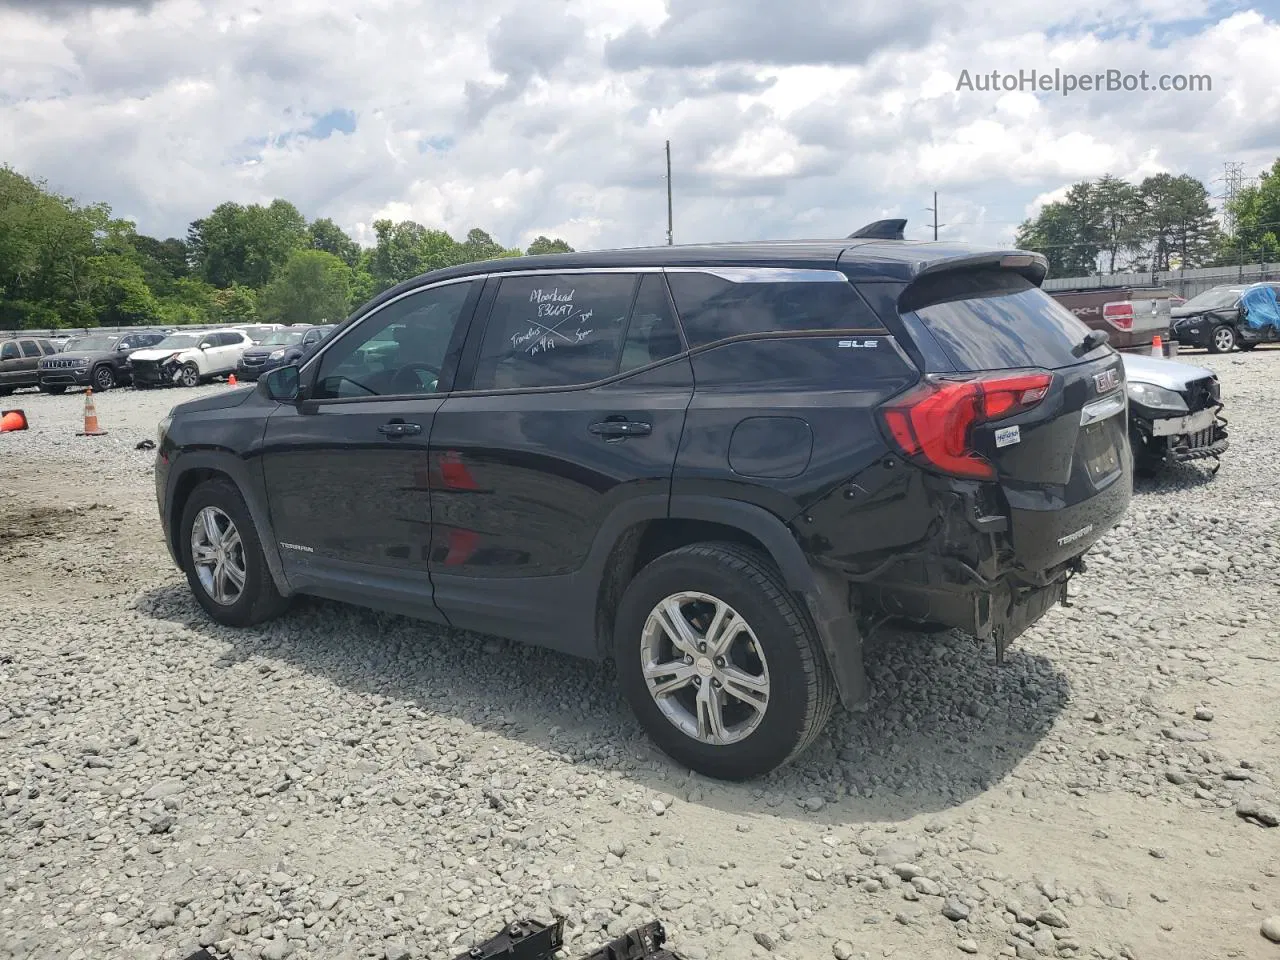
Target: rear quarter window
{"x": 734, "y": 302}
{"x": 995, "y": 319}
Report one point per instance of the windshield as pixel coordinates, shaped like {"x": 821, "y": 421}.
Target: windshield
{"x": 87, "y": 344}
{"x": 177, "y": 341}
{"x": 280, "y": 338}
{"x": 1214, "y": 299}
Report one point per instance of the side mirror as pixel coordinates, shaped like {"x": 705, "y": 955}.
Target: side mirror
{"x": 205, "y": 345}
{"x": 282, "y": 384}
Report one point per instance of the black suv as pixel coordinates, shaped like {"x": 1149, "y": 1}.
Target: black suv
{"x": 720, "y": 466}
{"x": 99, "y": 360}
{"x": 20, "y": 362}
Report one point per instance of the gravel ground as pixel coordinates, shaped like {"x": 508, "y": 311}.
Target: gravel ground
{"x": 345, "y": 784}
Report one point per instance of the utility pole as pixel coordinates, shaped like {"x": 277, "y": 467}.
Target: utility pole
{"x": 934, "y": 208}
{"x": 670, "y": 239}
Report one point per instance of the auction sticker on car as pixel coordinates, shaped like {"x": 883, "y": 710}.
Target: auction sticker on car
{"x": 1008, "y": 435}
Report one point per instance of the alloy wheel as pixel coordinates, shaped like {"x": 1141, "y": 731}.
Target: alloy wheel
{"x": 1224, "y": 339}
{"x": 104, "y": 379}
{"x": 190, "y": 377}
{"x": 704, "y": 668}
{"x": 217, "y": 553}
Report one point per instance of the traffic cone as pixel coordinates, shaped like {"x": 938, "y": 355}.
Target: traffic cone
{"x": 1157, "y": 346}
{"x": 91, "y": 428}
{"x": 12, "y": 420}
{"x": 231, "y": 380}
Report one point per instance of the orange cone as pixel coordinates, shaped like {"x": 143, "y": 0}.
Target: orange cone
{"x": 12, "y": 420}
{"x": 1157, "y": 346}
{"x": 231, "y": 380}
{"x": 91, "y": 428}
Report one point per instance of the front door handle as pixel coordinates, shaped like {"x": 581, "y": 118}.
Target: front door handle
{"x": 617, "y": 429}
{"x": 399, "y": 428}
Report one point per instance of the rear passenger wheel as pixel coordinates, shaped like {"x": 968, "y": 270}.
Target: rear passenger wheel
{"x": 720, "y": 663}
{"x": 1222, "y": 340}
{"x": 222, "y": 557}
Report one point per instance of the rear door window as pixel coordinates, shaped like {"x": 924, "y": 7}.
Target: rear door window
{"x": 724, "y": 302}
{"x": 29, "y": 348}
{"x": 555, "y": 330}
{"x": 995, "y": 319}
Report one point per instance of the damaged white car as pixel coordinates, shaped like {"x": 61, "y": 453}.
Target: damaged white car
{"x": 189, "y": 359}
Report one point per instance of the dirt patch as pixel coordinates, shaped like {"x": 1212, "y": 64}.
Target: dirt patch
{"x": 38, "y": 521}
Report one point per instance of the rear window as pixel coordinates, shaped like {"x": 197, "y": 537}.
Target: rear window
{"x": 996, "y": 319}
{"x": 735, "y": 302}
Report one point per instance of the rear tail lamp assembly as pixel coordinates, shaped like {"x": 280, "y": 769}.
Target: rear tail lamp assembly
{"x": 933, "y": 423}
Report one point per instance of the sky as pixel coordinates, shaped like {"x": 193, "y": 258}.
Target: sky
{"x": 787, "y": 118}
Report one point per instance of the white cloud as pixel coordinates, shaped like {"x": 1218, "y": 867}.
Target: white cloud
{"x": 549, "y": 116}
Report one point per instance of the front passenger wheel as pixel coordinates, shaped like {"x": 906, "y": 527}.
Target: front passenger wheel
{"x": 104, "y": 378}
{"x": 190, "y": 375}
{"x": 223, "y": 560}
{"x": 720, "y": 663}
{"x": 1222, "y": 339}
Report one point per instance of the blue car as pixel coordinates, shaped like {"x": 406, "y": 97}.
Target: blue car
{"x": 280, "y": 347}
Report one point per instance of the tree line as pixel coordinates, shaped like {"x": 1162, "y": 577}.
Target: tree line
{"x": 1161, "y": 223}
{"x": 68, "y": 264}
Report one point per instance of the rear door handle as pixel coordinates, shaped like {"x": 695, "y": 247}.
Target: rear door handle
{"x": 616, "y": 429}
{"x": 400, "y": 429}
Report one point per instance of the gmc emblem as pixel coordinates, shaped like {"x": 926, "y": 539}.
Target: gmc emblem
{"x": 1106, "y": 381}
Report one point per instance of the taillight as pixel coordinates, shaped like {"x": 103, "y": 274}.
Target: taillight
{"x": 1118, "y": 314}
{"x": 933, "y": 423}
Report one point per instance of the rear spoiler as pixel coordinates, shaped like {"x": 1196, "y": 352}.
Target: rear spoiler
{"x": 1033, "y": 266}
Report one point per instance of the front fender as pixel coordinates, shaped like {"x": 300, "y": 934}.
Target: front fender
{"x": 189, "y": 468}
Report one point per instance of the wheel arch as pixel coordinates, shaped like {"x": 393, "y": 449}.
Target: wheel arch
{"x": 636, "y": 539}
{"x": 193, "y": 469}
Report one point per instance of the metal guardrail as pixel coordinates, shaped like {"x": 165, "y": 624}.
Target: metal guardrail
{"x": 1186, "y": 283}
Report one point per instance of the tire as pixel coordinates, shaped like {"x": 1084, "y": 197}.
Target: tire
{"x": 104, "y": 378}
{"x": 190, "y": 376}
{"x": 257, "y": 600}
{"x": 779, "y": 646}
{"x": 1222, "y": 339}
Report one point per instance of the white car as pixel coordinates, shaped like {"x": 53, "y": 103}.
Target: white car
{"x": 258, "y": 331}
{"x": 189, "y": 358}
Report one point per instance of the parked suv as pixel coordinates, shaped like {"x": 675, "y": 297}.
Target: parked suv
{"x": 717, "y": 465}
{"x": 99, "y": 360}
{"x": 189, "y": 358}
{"x": 20, "y": 362}
{"x": 278, "y": 348}
{"x": 1218, "y": 320}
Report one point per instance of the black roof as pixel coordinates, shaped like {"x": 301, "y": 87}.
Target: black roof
{"x": 861, "y": 259}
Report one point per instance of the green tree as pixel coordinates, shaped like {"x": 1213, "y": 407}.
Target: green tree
{"x": 191, "y": 300}
{"x": 1256, "y": 211}
{"x": 1118, "y": 210}
{"x": 1067, "y": 232}
{"x": 246, "y": 245}
{"x": 312, "y": 287}
{"x": 236, "y": 304}
{"x": 543, "y": 244}
{"x": 120, "y": 296}
{"x": 163, "y": 262}
{"x": 1178, "y": 221}
{"x": 328, "y": 236}
{"x": 46, "y": 243}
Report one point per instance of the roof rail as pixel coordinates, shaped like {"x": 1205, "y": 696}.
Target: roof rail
{"x": 881, "y": 230}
